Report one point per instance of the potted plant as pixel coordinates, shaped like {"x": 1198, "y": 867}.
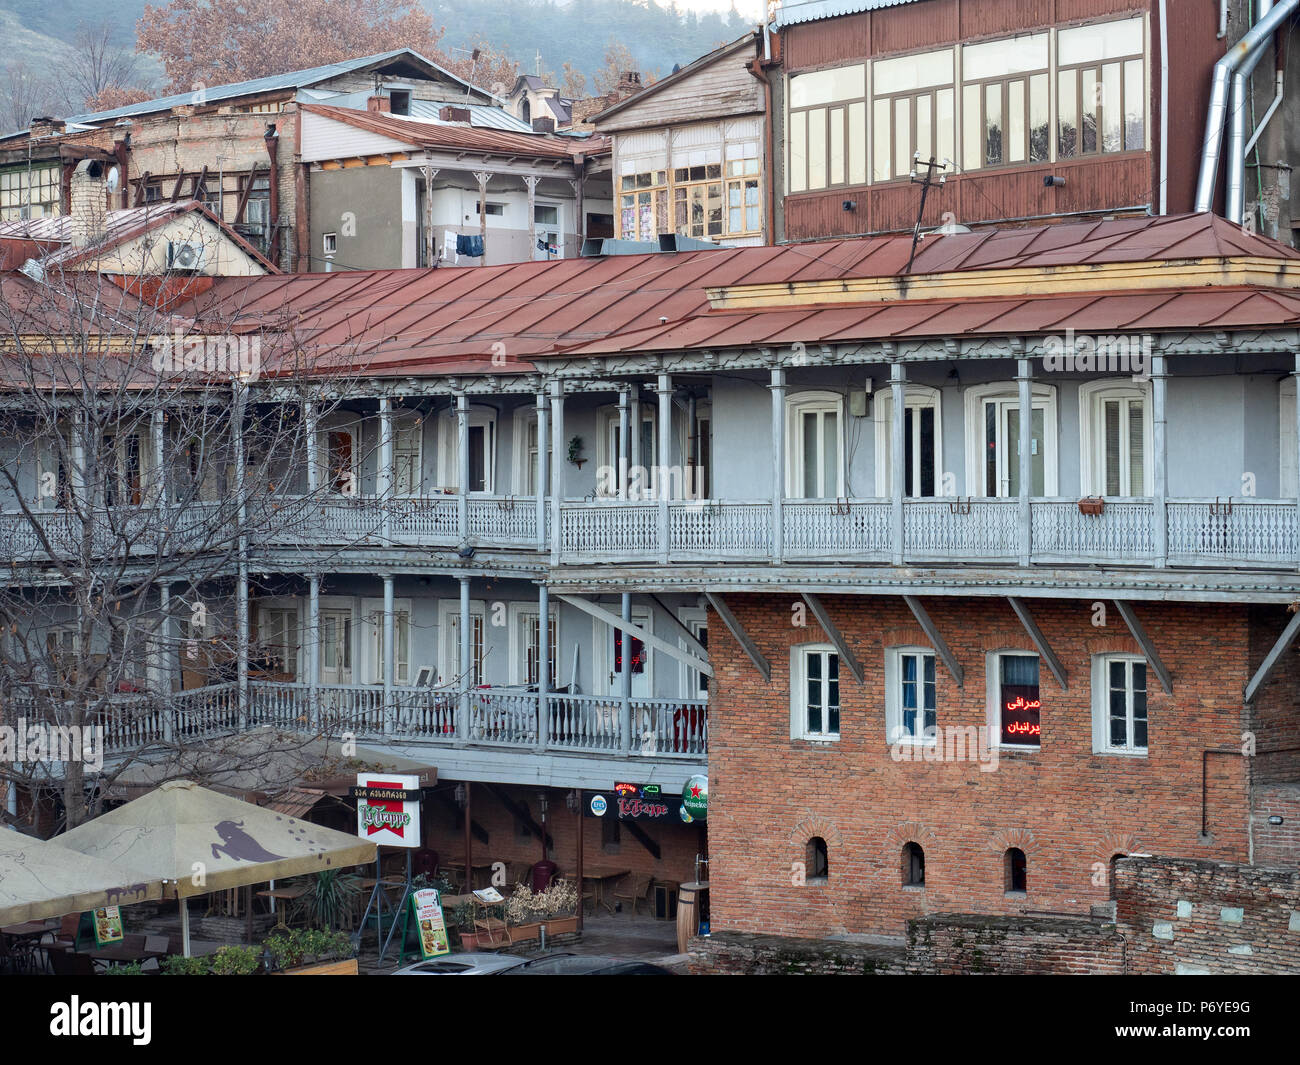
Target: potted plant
{"x": 1092, "y": 505}
{"x": 575, "y": 452}
{"x": 311, "y": 951}
{"x": 556, "y": 908}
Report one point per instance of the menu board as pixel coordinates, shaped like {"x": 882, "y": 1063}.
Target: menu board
{"x": 429, "y": 923}
{"x": 108, "y": 926}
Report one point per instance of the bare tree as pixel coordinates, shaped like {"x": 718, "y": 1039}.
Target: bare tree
{"x": 144, "y": 454}
{"x": 24, "y": 95}
{"x": 96, "y": 68}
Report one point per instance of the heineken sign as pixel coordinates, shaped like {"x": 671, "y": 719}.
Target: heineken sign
{"x": 388, "y": 809}
{"x": 695, "y": 796}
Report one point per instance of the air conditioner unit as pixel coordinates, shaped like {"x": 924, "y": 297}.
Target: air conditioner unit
{"x": 186, "y": 255}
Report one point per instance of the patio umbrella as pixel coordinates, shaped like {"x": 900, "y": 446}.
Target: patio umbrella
{"x": 40, "y": 880}
{"x": 199, "y": 840}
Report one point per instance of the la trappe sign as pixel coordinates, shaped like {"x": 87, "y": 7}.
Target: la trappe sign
{"x": 388, "y": 809}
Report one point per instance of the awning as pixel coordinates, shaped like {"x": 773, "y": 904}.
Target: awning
{"x": 40, "y": 880}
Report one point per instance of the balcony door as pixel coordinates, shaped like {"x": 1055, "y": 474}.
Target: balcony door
{"x": 922, "y": 443}
{"x": 336, "y": 646}
{"x": 994, "y": 445}
{"x": 815, "y": 446}
{"x": 611, "y": 660}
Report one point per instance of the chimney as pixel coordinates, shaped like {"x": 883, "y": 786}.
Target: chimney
{"x": 629, "y": 81}
{"x": 89, "y": 203}
{"x": 45, "y": 126}
{"x": 379, "y": 103}
{"x": 543, "y": 125}
{"x": 454, "y": 114}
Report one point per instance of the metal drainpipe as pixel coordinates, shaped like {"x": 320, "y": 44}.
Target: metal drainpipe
{"x": 1234, "y": 206}
{"x": 1217, "y": 112}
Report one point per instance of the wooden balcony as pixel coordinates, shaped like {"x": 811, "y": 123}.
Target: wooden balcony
{"x": 1216, "y": 533}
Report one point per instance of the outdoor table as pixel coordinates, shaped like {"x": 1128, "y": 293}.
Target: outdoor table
{"x": 285, "y": 894}
{"x": 459, "y": 867}
{"x": 598, "y": 877}
{"x": 27, "y": 933}
{"x": 122, "y": 953}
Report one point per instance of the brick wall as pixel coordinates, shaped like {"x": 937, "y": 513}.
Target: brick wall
{"x": 1070, "y": 810}
{"x": 957, "y": 944}
{"x": 1184, "y": 916}
{"x": 1276, "y": 845}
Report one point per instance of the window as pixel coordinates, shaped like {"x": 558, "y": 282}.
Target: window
{"x": 695, "y": 685}
{"x": 30, "y": 194}
{"x": 545, "y": 214}
{"x": 1015, "y": 869}
{"x": 697, "y": 201}
{"x": 278, "y": 640}
{"x": 525, "y": 429}
{"x": 525, "y": 645}
{"x": 743, "y": 193}
{"x": 910, "y": 714}
{"x": 643, "y": 427}
{"x": 494, "y": 210}
{"x": 827, "y": 129}
{"x": 922, "y": 442}
{"x": 814, "y": 446}
{"x": 336, "y": 646}
{"x": 330, "y": 243}
{"x": 1014, "y": 696}
{"x": 912, "y": 112}
{"x": 1119, "y": 704}
{"x": 209, "y": 196}
{"x": 609, "y": 656}
{"x": 153, "y": 192}
{"x": 816, "y": 863}
{"x": 993, "y": 441}
{"x": 1115, "y": 439}
{"x": 482, "y": 451}
{"x": 1101, "y": 86}
{"x": 341, "y": 461}
{"x": 643, "y": 205}
{"x": 122, "y": 469}
{"x": 373, "y": 610}
{"x": 399, "y": 101}
{"x": 1006, "y": 102}
{"x": 913, "y": 865}
{"x": 449, "y": 667}
{"x": 62, "y": 647}
{"x": 408, "y": 473}
{"x": 256, "y": 223}
{"x": 815, "y": 694}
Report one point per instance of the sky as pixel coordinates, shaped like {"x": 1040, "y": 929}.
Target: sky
{"x": 752, "y": 9}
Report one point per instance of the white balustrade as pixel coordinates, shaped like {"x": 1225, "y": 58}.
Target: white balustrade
{"x": 831, "y": 529}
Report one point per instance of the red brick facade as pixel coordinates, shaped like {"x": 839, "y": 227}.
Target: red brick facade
{"x": 1070, "y": 810}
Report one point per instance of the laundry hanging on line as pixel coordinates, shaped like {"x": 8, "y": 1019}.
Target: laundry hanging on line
{"x": 470, "y": 245}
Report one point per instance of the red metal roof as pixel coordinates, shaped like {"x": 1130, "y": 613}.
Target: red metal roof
{"x": 447, "y": 320}
{"x": 434, "y": 135}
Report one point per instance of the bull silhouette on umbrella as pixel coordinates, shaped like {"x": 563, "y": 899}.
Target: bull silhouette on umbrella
{"x": 239, "y": 845}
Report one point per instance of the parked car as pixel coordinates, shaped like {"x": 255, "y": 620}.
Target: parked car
{"x": 586, "y": 965}
{"x": 467, "y": 964}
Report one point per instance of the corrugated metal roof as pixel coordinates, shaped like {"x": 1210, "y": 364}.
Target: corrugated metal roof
{"x": 792, "y": 11}
{"x": 424, "y": 134}
{"x": 448, "y": 320}
{"x": 291, "y": 80}
{"x": 481, "y": 116}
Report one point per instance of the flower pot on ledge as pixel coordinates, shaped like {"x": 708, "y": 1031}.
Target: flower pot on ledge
{"x": 1092, "y": 505}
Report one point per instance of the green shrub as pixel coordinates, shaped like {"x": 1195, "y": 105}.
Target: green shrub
{"x": 235, "y": 961}
{"x": 179, "y": 965}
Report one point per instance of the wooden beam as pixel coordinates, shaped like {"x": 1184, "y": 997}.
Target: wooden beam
{"x": 692, "y": 644}
{"x": 1271, "y": 659}
{"x": 521, "y": 815}
{"x": 931, "y": 631}
{"x": 738, "y": 632}
{"x": 639, "y": 834}
{"x": 176, "y": 188}
{"x": 243, "y": 196}
{"x": 648, "y": 638}
{"x": 1144, "y": 642}
{"x": 833, "y": 634}
{"x": 140, "y": 184}
{"x": 458, "y": 815}
{"x": 1040, "y": 641}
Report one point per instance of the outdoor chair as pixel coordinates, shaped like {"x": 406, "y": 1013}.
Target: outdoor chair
{"x": 70, "y": 963}
{"x": 65, "y": 936}
{"x": 634, "y": 889}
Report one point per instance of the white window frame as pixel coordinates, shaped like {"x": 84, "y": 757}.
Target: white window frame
{"x": 916, "y": 398}
{"x": 352, "y": 425}
{"x": 1092, "y": 436}
{"x": 603, "y": 641}
{"x": 1044, "y": 399}
{"x": 796, "y": 406}
{"x": 280, "y": 605}
{"x": 337, "y": 604}
{"x": 798, "y": 693}
{"x": 449, "y": 447}
{"x": 607, "y": 421}
{"x": 448, "y": 667}
{"x": 525, "y": 419}
{"x": 1288, "y": 485}
{"x": 372, "y": 618}
{"x": 894, "y": 697}
{"x": 411, "y": 422}
{"x": 1101, "y": 706}
{"x": 521, "y": 615}
{"x": 993, "y": 685}
{"x": 694, "y": 619}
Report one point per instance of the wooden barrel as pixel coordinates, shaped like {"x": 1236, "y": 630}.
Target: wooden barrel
{"x": 688, "y": 912}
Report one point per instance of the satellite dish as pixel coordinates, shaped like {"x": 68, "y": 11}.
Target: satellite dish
{"x": 114, "y": 179}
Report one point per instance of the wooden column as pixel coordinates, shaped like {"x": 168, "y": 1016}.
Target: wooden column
{"x": 898, "y": 459}
{"x": 1025, "y": 383}
{"x": 482, "y": 177}
{"x": 543, "y": 665}
{"x": 384, "y": 469}
{"x": 466, "y": 668}
{"x": 531, "y": 182}
{"x": 390, "y": 653}
{"x": 777, "y": 386}
{"x": 462, "y": 463}
{"x": 543, "y": 466}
